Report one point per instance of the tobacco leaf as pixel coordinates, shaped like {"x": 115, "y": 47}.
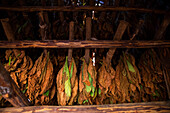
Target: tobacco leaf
{"x": 67, "y": 84}
{"x": 40, "y": 80}
{"x": 87, "y": 83}
{"x": 19, "y": 66}
{"x": 152, "y": 75}
{"x": 106, "y": 75}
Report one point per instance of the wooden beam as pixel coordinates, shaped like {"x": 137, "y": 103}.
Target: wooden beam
{"x": 81, "y": 8}
{"x": 84, "y": 44}
{"x": 151, "y": 107}
{"x": 10, "y": 91}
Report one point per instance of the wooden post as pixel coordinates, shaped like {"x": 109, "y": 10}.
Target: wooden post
{"x": 88, "y": 36}
{"x": 10, "y": 91}
{"x": 8, "y": 30}
{"x": 118, "y": 36}
{"x": 71, "y": 38}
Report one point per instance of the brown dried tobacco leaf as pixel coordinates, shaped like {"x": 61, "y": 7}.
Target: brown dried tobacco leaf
{"x": 133, "y": 77}
{"x": 18, "y": 65}
{"x": 87, "y": 83}
{"x": 152, "y": 75}
{"x": 40, "y": 79}
{"x": 106, "y": 75}
{"x": 62, "y": 78}
{"x": 123, "y": 84}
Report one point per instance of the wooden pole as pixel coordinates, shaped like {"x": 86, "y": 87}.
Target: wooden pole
{"x": 10, "y": 91}
{"x": 82, "y": 8}
{"x": 162, "y": 29}
{"x": 71, "y": 38}
{"x": 88, "y": 36}
{"x": 8, "y": 30}
{"x": 85, "y": 44}
{"x": 118, "y": 36}
{"x": 143, "y": 107}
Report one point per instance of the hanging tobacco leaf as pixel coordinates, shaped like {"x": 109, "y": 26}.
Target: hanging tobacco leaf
{"x": 40, "y": 80}
{"x": 67, "y": 84}
{"x": 152, "y": 76}
{"x": 87, "y": 83}
{"x": 106, "y": 75}
{"x": 18, "y": 66}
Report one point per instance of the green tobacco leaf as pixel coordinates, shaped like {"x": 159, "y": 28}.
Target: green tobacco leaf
{"x": 67, "y": 82}
{"x": 24, "y": 90}
{"x": 88, "y": 88}
{"x": 141, "y": 86}
{"x": 68, "y": 88}
{"x": 95, "y": 94}
{"x": 66, "y": 68}
{"x": 85, "y": 101}
{"x": 131, "y": 68}
{"x": 47, "y": 93}
{"x": 9, "y": 60}
{"x": 90, "y": 78}
{"x": 99, "y": 91}
{"x": 71, "y": 72}
{"x": 18, "y": 55}
{"x": 91, "y": 94}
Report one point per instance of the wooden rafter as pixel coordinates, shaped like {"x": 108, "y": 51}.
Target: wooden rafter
{"x": 82, "y": 8}
{"x": 84, "y": 44}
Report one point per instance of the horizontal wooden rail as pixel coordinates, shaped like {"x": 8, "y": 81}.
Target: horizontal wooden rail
{"x": 84, "y": 44}
{"x": 81, "y": 8}
{"x": 151, "y": 107}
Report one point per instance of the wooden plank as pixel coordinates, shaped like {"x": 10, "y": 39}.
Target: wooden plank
{"x": 153, "y": 107}
{"x": 82, "y": 8}
{"x": 85, "y": 44}
{"x": 10, "y": 91}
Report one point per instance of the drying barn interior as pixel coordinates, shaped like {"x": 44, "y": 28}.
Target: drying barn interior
{"x": 84, "y": 56}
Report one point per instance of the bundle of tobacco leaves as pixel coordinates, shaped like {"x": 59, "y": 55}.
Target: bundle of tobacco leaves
{"x": 106, "y": 75}
{"x": 67, "y": 84}
{"x": 40, "y": 80}
{"x": 18, "y": 66}
{"x": 87, "y": 83}
{"x": 152, "y": 76}
{"x": 125, "y": 86}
